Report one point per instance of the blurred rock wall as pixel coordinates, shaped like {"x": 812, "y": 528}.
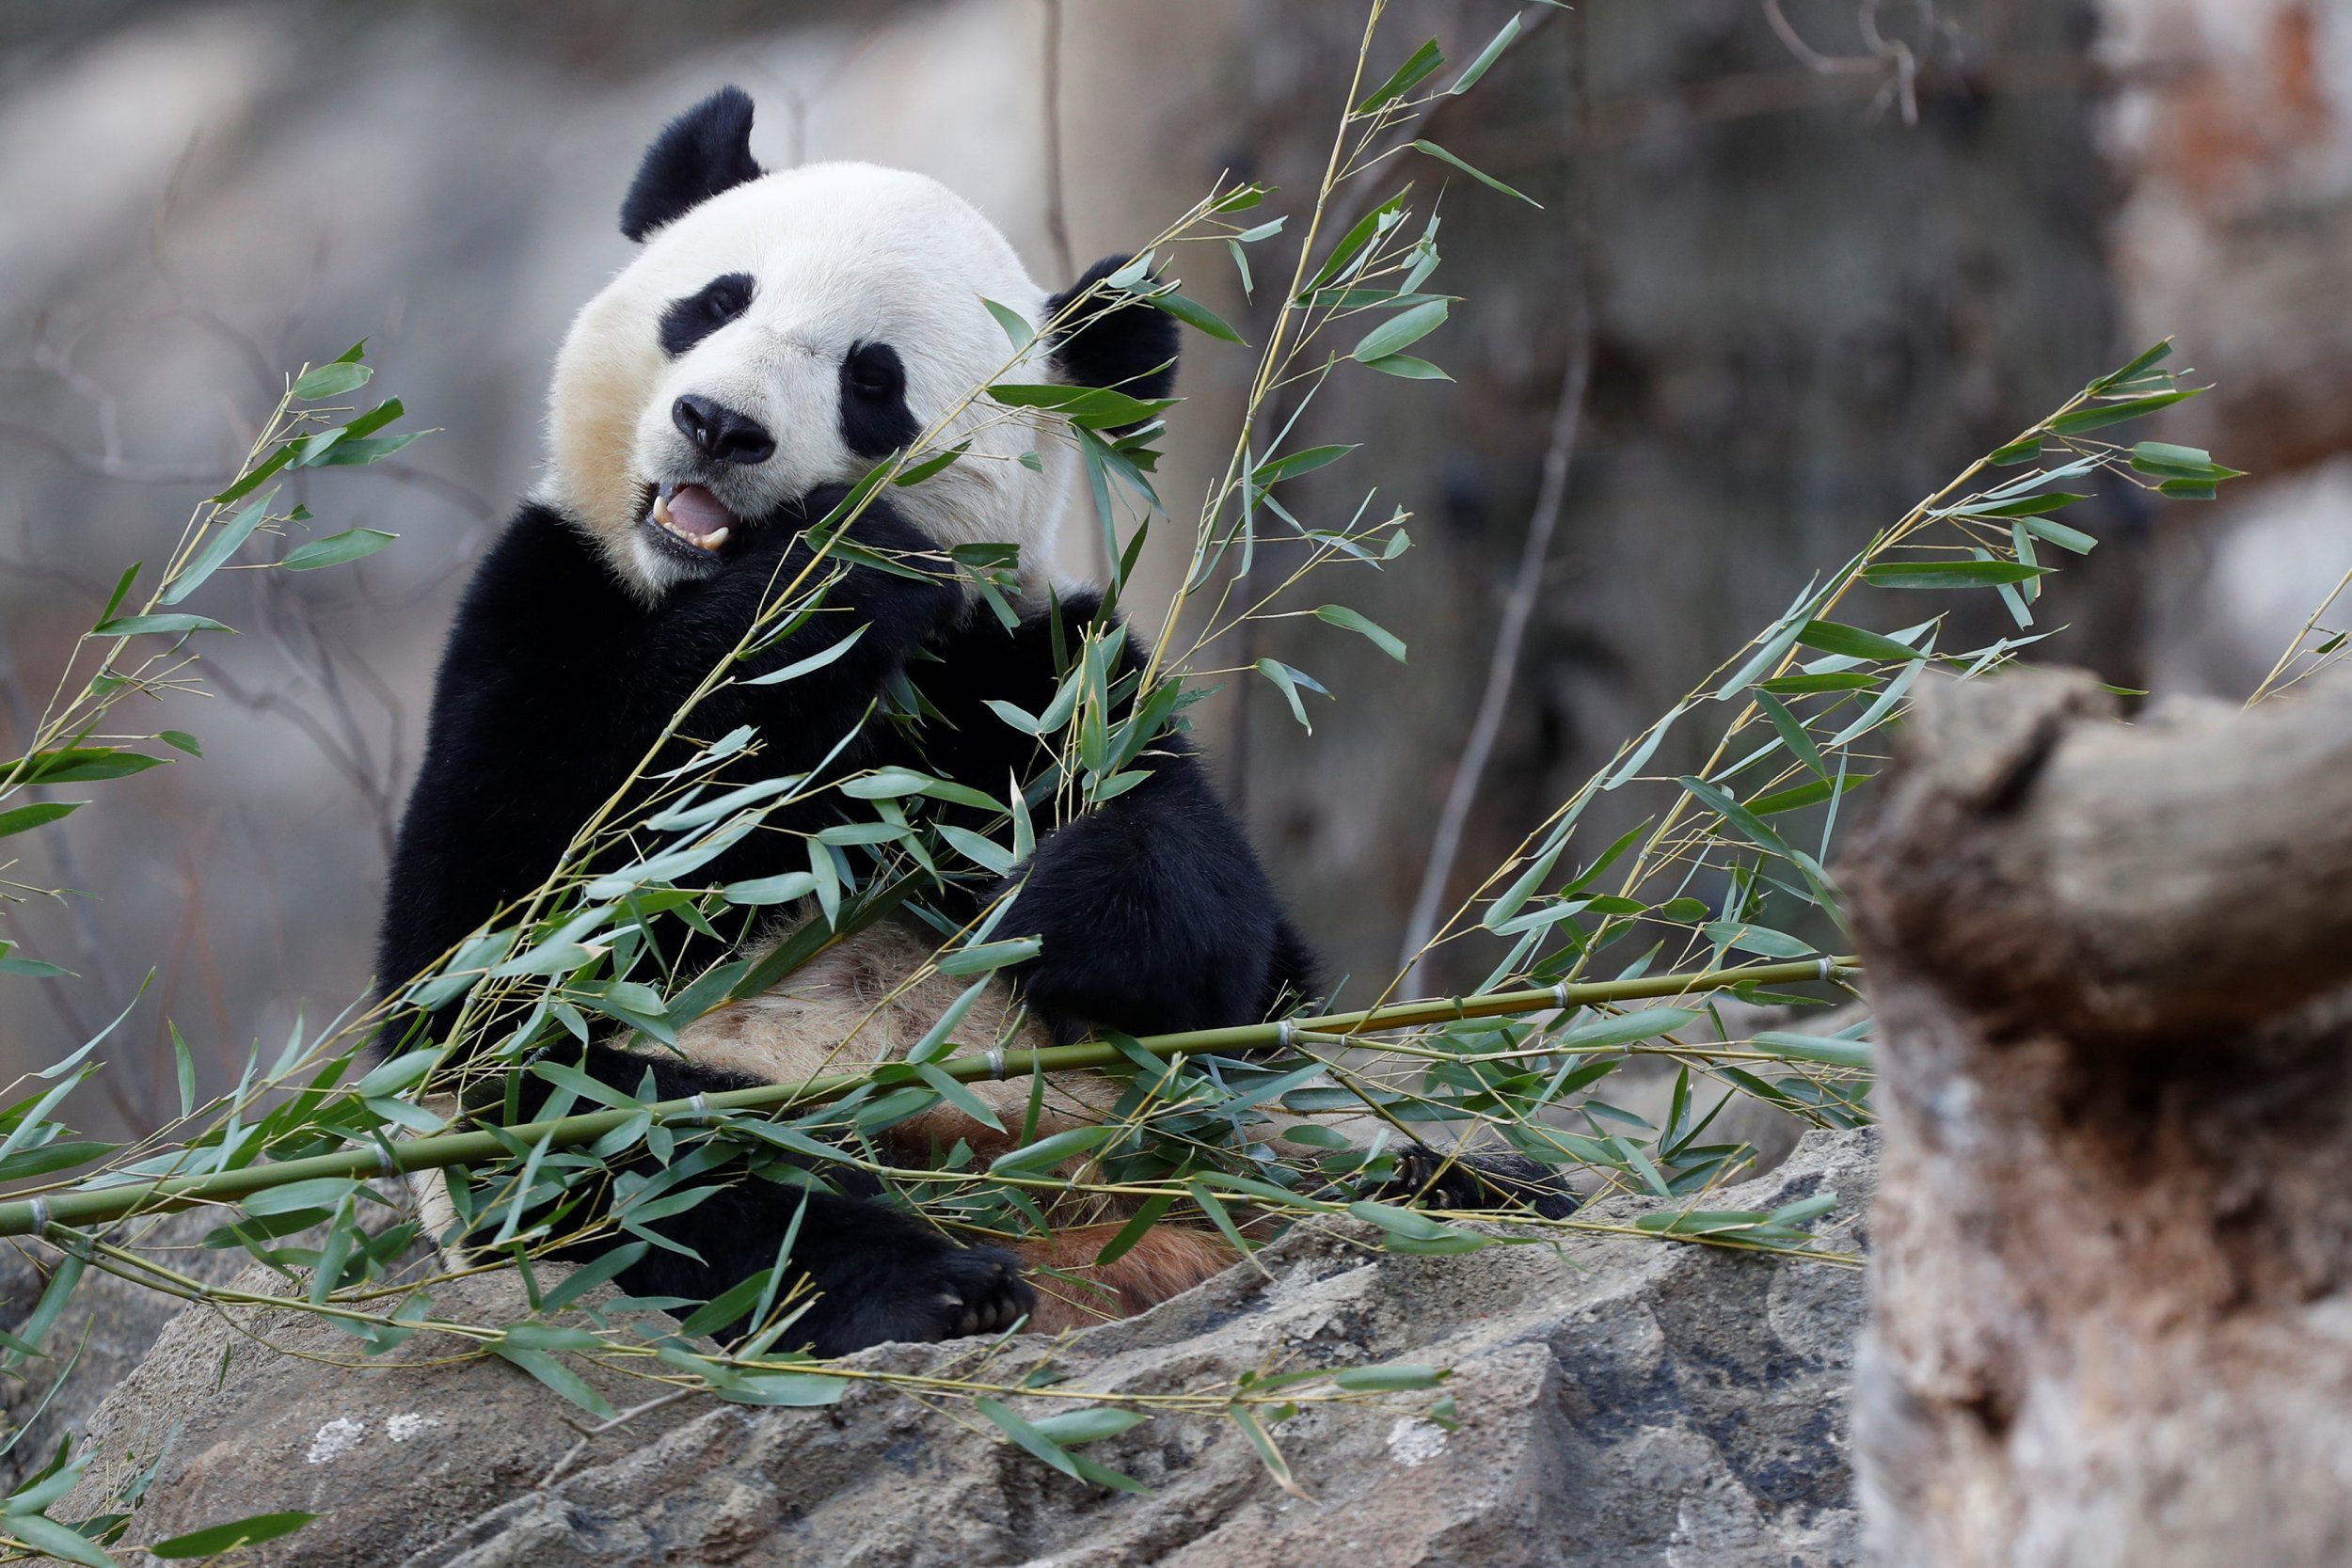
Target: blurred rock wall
{"x": 2231, "y": 130}
{"x": 1806, "y": 315}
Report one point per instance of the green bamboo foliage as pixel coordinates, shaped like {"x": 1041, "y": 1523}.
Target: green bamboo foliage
{"x": 1670, "y": 943}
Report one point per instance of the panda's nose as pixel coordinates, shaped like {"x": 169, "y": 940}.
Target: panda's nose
{"x": 722, "y": 433}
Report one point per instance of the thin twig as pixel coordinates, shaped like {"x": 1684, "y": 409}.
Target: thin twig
{"x": 1892, "y": 57}
{"x": 1502, "y": 669}
{"x": 90, "y": 947}
{"x": 1057, "y": 212}
{"x": 2295, "y": 646}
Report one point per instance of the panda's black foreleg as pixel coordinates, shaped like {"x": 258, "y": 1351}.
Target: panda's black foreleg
{"x": 878, "y": 1271}
{"x": 1155, "y": 916}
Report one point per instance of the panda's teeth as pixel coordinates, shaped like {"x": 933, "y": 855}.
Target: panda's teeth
{"x": 661, "y": 507}
{"x": 715, "y": 538}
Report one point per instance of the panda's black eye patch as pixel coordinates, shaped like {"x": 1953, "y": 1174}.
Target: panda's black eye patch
{"x": 875, "y": 420}
{"x": 873, "y": 370}
{"x": 689, "y": 320}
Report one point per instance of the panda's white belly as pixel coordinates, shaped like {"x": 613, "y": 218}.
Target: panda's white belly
{"x": 852, "y": 1007}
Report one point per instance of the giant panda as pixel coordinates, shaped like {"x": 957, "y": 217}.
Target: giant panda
{"x": 776, "y": 335}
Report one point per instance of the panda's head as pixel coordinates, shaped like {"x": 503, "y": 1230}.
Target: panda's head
{"x": 779, "y": 332}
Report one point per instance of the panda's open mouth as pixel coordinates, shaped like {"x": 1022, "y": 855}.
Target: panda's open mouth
{"x": 692, "y": 516}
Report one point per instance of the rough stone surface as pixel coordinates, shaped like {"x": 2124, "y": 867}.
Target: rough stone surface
{"x": 1622, "y": 1402}
{"x": 260, "y": 1410}
{"x": 107, "y": 1328}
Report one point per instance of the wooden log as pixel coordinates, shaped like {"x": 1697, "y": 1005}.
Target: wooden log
{"x": 2112, "y": 1248}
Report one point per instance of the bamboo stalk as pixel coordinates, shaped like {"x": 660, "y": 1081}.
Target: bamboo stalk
{"x": 82, "y": 1206}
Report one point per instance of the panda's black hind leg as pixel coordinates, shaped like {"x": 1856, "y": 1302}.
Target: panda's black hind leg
{"x": 1501, "y": 1182}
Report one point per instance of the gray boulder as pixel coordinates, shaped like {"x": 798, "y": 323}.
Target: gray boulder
{"x": 1621, "y": 1400}
{"x": 107, "y": 1328}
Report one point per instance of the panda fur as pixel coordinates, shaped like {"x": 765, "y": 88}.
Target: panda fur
{"x": 775, "y": 336}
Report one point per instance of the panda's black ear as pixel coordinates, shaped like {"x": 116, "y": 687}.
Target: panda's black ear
{"x": 1132, "y": 349}
{"x": 705, "y": 150}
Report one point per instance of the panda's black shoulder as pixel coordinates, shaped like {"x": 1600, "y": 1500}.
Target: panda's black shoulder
{"x": 539, "y": 589}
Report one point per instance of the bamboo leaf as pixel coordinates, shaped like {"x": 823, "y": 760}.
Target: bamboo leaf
{"x": 795, "y": 1389}
{"x": 1434, "y": 150}
{"x": 1792, "y": 733}
{"x": 1016, "y": 326}
{"x": 1049, "y": 1151}
{"x": 2057, "y": 533}
{"x": 1144, "y": 1218}
{"x": 2098, "y": 418}
{"x": 332, "y": 381}
{"x": 218, "y": 546}
{"x": 1486, "y": 57}
{"x": 1090, "y": 1424}
{"x": 1828, "y": 637}
{"x": 1287, "y": 680}
{"x": 958, "y": 1095}
{"x": 1363, "y": 626}
{"x": 1392, "y": 1378}
{"x": 1417, "y": 67}
{"x": 786, "y": 889}
{"x": 1814, "y": 1048}
{"x": 2131, "y": 371}
{"x": 1195, "y": 315}
{"x": 45, "y": 1534}
{"x": 1408, "y": 367}
{"x": 172, "y": 625}
{"x": 556, "y": 1375}
{"x": 1268, "y": 1455}
{"x": 1944, "y": 574}
{"x": 810, "y": 664}
{"x": 1399, "y": 332}
{"x": 336, "y": 550}
{"x": 1731, "y": 811}
{"x": 1626, "y": 1028}
{"x": 1291, "y": 465}
{"x": 1409, "y": 1232}
{"x": 990, "y": 956}
{"x": 929, "y": 466}
{"x": 2022, "y": 506}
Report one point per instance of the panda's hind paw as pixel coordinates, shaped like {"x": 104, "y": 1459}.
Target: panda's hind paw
{"x": 979, "y": 1291}
{"x": 1473, "y": 1182}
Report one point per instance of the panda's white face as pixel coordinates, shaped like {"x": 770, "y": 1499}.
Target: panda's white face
{"x": 786, "y": 334}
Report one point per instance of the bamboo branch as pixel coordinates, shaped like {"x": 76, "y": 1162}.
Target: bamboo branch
{"x": 104, "y": 1206}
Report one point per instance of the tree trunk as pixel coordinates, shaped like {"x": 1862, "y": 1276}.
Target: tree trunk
{"x": 2112, "y": 967}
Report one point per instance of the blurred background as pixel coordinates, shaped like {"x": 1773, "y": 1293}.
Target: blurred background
{"x": 1796, "y": 264}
